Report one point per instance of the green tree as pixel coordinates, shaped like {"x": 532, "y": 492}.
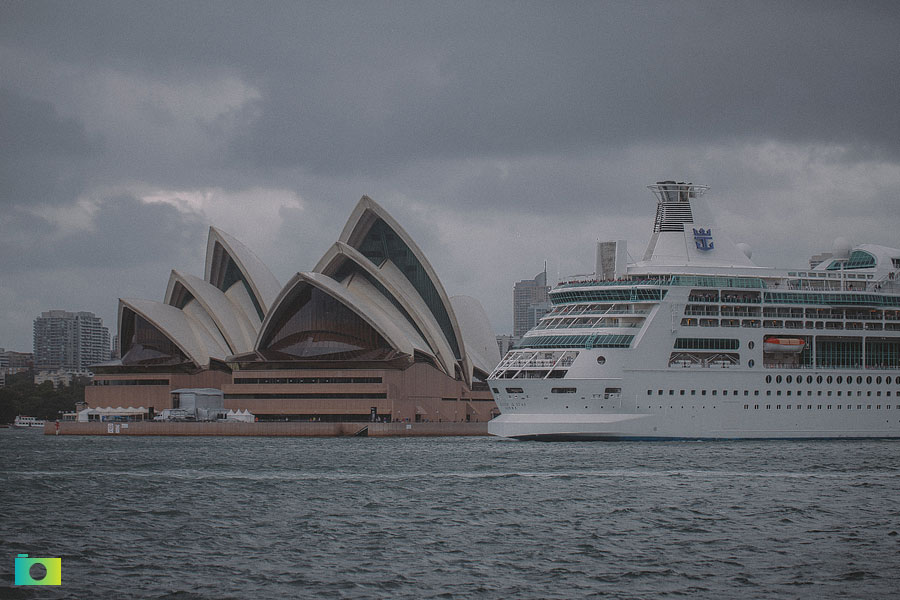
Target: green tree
{"x": 22, "y": 397}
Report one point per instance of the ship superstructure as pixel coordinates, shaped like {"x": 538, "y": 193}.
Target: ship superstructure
{"x": 697, "y": 341}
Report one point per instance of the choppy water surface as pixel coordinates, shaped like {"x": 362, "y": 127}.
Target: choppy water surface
{"x": 450, "y": 518}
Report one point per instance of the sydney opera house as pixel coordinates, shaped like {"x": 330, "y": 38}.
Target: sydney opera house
{"x": 368, "y": 334}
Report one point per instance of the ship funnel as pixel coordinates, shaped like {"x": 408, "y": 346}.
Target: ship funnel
{"x": 685, "y": 233}
{"x": 674, "y": 207}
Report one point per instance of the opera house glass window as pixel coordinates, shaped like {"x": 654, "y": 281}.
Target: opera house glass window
{"x": 314, "y": 325}
{"x": 382, "y": 243}
{"x": 147, "y": 345}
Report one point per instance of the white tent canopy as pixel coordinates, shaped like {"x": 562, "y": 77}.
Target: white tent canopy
{"x": 242, "y": 415}
{"x": 109, "y": 411}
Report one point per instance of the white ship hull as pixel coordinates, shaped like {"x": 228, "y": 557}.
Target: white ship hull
{"x": 812, "y": 414}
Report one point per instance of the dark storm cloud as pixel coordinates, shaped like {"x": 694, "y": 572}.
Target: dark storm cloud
{"x": 364, "y": 87}
{"x": 121, "y": 232}
{"x": 519, "y": 80}
{"x": 42, "y": 155}
{"x": 529, "y": 128}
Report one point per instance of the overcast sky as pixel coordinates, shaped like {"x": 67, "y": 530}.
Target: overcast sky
{"x": 499, "y": 134}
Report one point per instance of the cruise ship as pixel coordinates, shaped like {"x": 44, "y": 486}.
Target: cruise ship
{"x": 696, "y": 341}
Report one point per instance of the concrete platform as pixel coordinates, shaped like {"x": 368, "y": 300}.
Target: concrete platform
{"x": 298, "y": 429}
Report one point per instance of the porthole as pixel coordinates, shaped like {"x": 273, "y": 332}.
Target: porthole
{"x": 869, "y": 380}
{"x": 878, "y": 380}
{"x": 750, "y": 344}
{"x": 778, "y": 379}
{"x": 828, "y": 380}
{"x": 601, "y": 360}
{"x": 768, "y": 379}
{"x": 789, "y": 379}
{"x": 858, "y": 379}
{"x": 809, "y": 379}
{"x": 840, "y": 380}
{"x": 819, "y": 379}
{"x": 750, "y": 363}
{"x": 888, "y": 380}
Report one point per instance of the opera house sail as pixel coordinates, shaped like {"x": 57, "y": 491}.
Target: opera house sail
{"x": 369, "y": 333}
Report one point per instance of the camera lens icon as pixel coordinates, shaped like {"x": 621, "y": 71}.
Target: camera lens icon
{"x": 25, "y": 575}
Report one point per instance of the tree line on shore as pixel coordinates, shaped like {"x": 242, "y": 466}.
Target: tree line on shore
{"x": 22, "y": 397}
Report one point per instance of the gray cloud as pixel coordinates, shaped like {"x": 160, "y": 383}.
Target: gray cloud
{"x": 43, "y": 154}
{"x": 529, "y": 129}
{"x": 368, "y": 87}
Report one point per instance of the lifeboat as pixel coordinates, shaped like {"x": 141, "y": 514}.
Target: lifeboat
{"x": 783, "y": 344}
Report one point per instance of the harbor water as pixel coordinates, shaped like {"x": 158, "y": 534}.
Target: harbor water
{"x": 233, "y": 517}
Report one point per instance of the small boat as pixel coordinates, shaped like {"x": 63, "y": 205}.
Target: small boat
{"x": 28, "y": 422}
{"x": 782, "y": 344}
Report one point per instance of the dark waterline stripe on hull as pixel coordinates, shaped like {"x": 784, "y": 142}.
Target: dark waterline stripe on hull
{"x": 567, "y": 437}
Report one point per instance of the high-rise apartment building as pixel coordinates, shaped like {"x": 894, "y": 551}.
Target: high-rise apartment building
{"x": 531, "y": 300}
{"x": 69, "y": 341}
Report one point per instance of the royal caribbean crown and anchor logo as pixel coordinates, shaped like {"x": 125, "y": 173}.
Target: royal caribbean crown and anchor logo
{"x": 703, "y": 239}
{"x": 29, "y": 571}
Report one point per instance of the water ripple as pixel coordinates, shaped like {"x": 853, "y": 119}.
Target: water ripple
{"x": 204, "y": 518}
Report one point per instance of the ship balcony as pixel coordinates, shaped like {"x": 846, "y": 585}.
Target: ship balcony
{"x": 857, "y": 366}
{"x": 829, "y": 325}
{"x": 705, "y": 360}
{"x": 740, "y": 313}
{"x": 531, "y": 362}
{"x": 568, "y": 328}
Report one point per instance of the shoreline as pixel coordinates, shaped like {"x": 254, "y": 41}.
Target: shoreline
{"x": 268, "y": 429}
